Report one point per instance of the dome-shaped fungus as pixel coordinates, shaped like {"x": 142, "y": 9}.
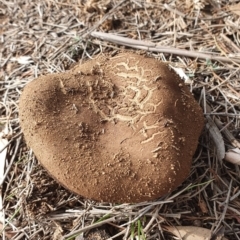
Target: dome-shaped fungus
{"x": 116, "y": 129}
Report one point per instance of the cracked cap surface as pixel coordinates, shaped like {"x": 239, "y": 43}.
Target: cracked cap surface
{"x": 115, "y": 129}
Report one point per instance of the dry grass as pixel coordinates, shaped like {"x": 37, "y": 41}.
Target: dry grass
{"x": 40, "y": 37}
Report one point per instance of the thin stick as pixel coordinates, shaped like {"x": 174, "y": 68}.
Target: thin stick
{"x": 153, "y": 47}
{"x": 84, "y": 229}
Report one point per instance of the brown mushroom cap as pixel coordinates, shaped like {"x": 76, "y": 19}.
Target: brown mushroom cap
{"x": 115, "y": 129}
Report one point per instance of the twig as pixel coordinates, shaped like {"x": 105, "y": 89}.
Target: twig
{"x": 12, "y": 139}
{"x": 152, "y": 47}
{"x": 84, "y": 229}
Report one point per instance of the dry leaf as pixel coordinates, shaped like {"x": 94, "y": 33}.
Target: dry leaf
{"x": 217, "y": 138}
{"x": 191, "y": 233}
{"x": 57, "y": 233}
{"x": 8, "y": 233}
{"x": 233, "y": 156}
{"x": 203, "y": 206}
{"x": 22, "y": 59}
{"x": 235, "y": 8}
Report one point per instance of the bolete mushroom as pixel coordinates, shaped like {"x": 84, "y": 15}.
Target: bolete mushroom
{"x": 118, "y": 128}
